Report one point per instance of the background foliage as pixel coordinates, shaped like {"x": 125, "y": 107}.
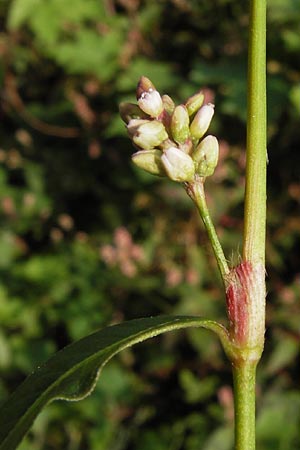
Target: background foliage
{"x": 87, "y": 240}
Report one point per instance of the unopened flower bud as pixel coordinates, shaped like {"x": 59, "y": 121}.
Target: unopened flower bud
{"x": 149, "y": 160}
{"x": 144, "y": 85}
{"x": 194, "y": 103}
{"x": 180, "y": 124}
{"x": 133, "y": 126}
{"x": 206, "y": 156}
{"x": 202, "y": 121}
{"x": 168, "y": 103}
{"x": 151, "y": 103}
{"x": 178, "y": 165}
{"x": 149, "y": 99}
{"x": 130, "y": 111}
{"x": 150, "y": 134}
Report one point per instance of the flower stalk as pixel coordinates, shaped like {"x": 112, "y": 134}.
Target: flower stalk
{"x": 196, "y": 191}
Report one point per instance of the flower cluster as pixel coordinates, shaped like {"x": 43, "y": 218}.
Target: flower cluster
{"x": 169, "y": 138}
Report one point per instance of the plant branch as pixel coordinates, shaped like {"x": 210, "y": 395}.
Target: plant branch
{"x": 196, "y": 191}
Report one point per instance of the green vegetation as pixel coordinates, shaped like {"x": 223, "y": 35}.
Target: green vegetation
{"x": 87, "y": 239}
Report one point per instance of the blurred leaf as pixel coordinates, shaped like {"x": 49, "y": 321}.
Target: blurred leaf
{"x": 283, "y": 10}
{"x": 159, "y": 72}
{"x": 231, "y": 74}
{"x": 50, "y": 15}
{"x": 221, "y": 439}
{"x": 196, "y": 389}
{"x": 284, "y": 353}
{"x": 295, "y": 98}
{"x": 278, "y": 422}
{"x": 72, "y": 373}
{"x": 20, "y": 11}
{"x": 9, "y": 248}
{"x": 291, "y": 39}
{"x": 91, "y": 53}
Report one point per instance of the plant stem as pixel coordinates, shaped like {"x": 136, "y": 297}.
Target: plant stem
{"x": 244, "y": 405}
{"x": 196, "y": 191}
{"x": 255, "y": 225}
{"x": 255, "y": 196}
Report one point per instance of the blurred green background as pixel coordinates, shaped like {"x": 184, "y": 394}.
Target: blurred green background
{"x": 87, "y": 240}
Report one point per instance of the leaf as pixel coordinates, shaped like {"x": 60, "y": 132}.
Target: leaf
{"x": 295, "y": 98}
{"x": 39, "y": 14}
{"x": 82, "y": 54}
{"x": 72, "y": 373}
{"x": 20, "y": 11}
{"x": 195, "y": 389}
{"x": 159, "y": 72}
{"x": 220, "y": 439}
{"x": 278, "y": 420}
{"x": 284, "y": 352}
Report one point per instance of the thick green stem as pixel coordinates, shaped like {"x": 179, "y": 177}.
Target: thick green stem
{"x": 255, "y": 197}
{"x": 244, "y": 404}
{"x": 197, "y": 194}
{"x": 252, "y": 286}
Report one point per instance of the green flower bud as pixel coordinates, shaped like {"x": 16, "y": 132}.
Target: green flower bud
{"x": 202, "y": 121}
{"x": 194, "y": 103}
{"x": 149, "y": 160}
{"x": 180, "y": 124}
{"x": 168, "y": 103}
{"x": 178, "y": 165}
{"x": 130, "y": 111}
{"x": 206, "y": 156}
{"x": 150, "y": 134}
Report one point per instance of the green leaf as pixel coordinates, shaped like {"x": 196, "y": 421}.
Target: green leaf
{"x": 220, "y": 439}
{"x": 20, "y": 11}
{"x": 72, "y": 373}
{"x": 82, "y": 54}
{"x": 295, "y": 98}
